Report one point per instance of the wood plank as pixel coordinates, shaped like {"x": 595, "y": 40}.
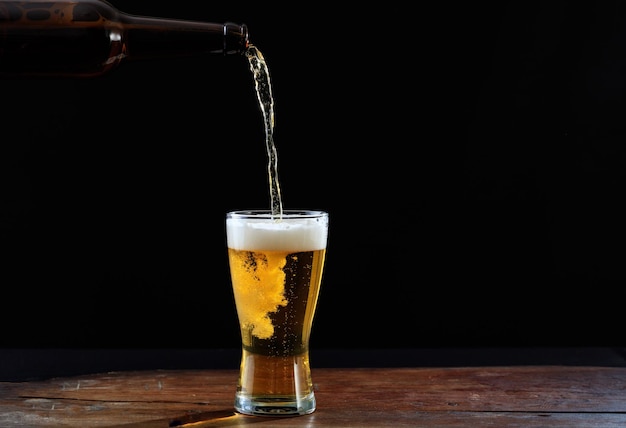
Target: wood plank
{"x": 513, "y": 396}
{"x": 532, "y": 388}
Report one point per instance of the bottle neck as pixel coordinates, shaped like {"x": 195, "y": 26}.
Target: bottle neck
{"x": 90, "y": 37}
{"x": 146, "y": 37}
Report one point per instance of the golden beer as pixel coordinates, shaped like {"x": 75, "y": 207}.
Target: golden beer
{"x": 276, "y": 270}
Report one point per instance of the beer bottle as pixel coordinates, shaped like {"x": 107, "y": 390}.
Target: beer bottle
{"x": 89, "y": 38}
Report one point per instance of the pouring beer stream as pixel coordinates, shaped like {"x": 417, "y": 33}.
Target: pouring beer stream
{"x": 263, "y": 86}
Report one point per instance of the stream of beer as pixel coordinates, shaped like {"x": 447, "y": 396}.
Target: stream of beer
{"x": 263, "y": 87}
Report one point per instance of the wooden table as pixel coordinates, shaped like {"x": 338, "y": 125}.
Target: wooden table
{"x": 519, "y": 396}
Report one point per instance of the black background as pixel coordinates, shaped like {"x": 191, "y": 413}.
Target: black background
{"x": 471, "y": 158}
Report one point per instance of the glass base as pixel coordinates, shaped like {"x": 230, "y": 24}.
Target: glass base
{"x": 274, "y": 406}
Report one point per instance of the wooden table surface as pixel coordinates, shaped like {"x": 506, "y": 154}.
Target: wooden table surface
{"x": 502, "y": 396}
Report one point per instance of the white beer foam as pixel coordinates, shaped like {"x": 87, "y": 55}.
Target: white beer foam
{"x": 292, "y": 235}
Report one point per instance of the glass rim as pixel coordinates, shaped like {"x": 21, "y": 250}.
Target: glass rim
{"x": 268, "y": 214}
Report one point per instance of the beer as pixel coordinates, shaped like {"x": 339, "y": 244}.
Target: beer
{"x": 276, "y": 262}
{"x": 276, "y": 267}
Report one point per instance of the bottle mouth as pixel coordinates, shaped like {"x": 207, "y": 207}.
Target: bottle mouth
{"x": 236, "y": 38}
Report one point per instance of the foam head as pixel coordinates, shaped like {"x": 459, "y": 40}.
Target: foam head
{"x": 292, "y": 232}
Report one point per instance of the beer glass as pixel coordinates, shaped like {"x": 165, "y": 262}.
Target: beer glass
{"x": 276, "y": 265}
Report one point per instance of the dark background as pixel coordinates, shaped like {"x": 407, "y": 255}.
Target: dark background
{"x": 471, "y": 158}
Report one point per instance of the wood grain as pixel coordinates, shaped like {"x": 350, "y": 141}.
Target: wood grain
{"x": 524, "y": 396}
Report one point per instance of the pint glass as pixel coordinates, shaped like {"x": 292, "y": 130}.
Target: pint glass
{"x": 276, "y": 266}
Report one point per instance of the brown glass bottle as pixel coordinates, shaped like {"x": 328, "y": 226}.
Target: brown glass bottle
{"x": 88, "y": 38}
